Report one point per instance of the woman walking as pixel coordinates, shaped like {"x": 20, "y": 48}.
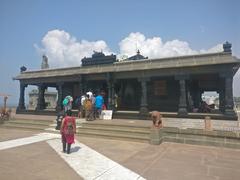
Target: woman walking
{"x": 68, "y": 129}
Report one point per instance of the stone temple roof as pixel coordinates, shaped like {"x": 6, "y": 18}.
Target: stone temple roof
{"x": 138, "y": 56}
{"x": 220, "y": 58}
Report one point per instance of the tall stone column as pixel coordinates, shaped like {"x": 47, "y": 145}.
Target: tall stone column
{"x": 110, "y": 90}
{"x": 21, "y": 103}
{"x": 60, "y": 95}
{"x": 81, "y": 86}
{"x": 229, "y": 105}
{"x": 41, "y": 100}
{"x": 221, "y": 100}
{"x": 144, "y": 102}
{"x": 182, "y": 107}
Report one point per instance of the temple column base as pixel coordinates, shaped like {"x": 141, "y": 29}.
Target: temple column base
{"x": 230, "y": 112}
{"x": 143, "y": 113}
{"x": 182, "y": 112}
{"x": 21, "y": 108}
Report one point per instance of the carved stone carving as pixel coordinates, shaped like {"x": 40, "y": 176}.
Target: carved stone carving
{"x": 157, "y": 119}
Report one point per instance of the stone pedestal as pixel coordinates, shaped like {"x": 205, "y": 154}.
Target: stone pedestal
{"x": 230, "y": 112}
{"x": 208, "y": 123}
{"x": 155, "y": 136}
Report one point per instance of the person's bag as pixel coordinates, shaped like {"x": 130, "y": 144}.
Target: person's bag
{"x": 70, "y": 129}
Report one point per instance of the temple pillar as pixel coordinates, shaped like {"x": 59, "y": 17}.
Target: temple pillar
{"x": 229, "y": 105}
{"x": 110, "y": 87}
{"x": 182, "y": 107}
{"x": 226, "y": 93}
{"x": 221, "y": 100}
{"x": 60, "y": 95}
{"x": 81, "y": 86}
{"x": 21, "y": 103}
{"x": 144, "y": 102}
{"x": 41, "y": 100}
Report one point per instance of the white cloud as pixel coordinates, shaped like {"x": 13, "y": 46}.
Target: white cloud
{"x": 63, "y": 50}
{"x": 155, "y": 48}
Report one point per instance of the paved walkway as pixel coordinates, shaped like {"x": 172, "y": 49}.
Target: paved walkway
{"x": 168, "y": 161}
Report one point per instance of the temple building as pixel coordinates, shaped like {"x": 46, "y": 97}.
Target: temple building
{"x": 139, "y": 84}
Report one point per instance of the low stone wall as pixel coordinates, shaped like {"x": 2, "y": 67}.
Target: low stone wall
{"x": 229, "y": 139}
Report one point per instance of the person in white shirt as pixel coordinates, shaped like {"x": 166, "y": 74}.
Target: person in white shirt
{"x": 90, "y": 94}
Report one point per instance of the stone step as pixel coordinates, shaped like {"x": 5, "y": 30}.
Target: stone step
{"x": 115, "y": 136}
{"x": 19, "y": 126}
{"x": 123, "y": 126}
{"x": 24, "y": 122}
{"x": 114, "y": 132}
{"x": 32, "y": 120}
{"x": 116, "y": 129}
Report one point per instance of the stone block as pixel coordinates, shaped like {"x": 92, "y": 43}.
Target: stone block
{"x": 155, "y": 136}
{"x": 227, "y": 134}
{"x": 173, "y": 139}
{"x": 171, "y": 129}
{"x": 232, "y": 140}
{"x": 215, "y": 139}
{"x": 208, "y": 123}
{"x": 232, "y": 145}
{"x": 210, "y": 133}
{"x": 169, "y": 134}
{"x": 191, "y": 136}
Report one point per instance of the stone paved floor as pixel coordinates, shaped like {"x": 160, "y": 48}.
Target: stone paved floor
{"x": 167, "y": 161}
{"x": 34, "y": 161}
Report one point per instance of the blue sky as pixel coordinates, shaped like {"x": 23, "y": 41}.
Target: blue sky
{"x": 202, "y": 24}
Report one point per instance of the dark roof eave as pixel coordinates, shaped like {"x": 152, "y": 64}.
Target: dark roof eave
{"x": 119, "y": 66}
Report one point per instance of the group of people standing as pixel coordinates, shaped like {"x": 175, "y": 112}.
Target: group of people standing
{"x": 91, "y": 106}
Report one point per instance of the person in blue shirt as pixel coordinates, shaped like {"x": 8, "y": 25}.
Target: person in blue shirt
{"x": 99, "y": 101}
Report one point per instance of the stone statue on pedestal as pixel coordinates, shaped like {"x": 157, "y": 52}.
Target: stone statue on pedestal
{"x": 44, "y": 62}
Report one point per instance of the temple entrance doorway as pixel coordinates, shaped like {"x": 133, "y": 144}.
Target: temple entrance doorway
{"x": 129, "y": 94}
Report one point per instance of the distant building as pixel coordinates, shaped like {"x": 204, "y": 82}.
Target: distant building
{"x": 50, "y": 99}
